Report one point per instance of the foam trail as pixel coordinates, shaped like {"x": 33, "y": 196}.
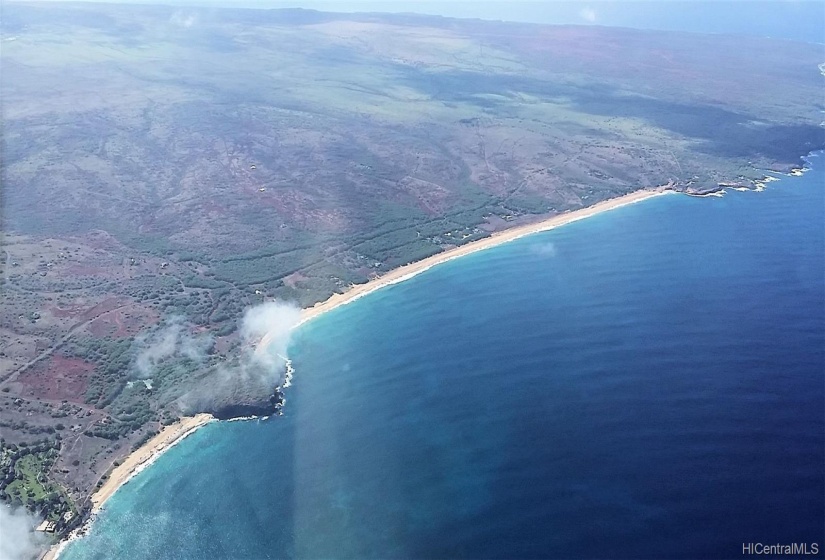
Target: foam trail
{"x": 289, "y": 371}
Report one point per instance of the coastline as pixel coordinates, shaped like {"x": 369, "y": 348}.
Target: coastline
{"x": 407, "y": 271}
{"x": 146, "y": 454}
{"x": 135, "y": 462}
{"x": 170, "y": 435}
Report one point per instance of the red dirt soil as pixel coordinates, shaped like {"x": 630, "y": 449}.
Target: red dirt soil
{"x": 58, "y": 378}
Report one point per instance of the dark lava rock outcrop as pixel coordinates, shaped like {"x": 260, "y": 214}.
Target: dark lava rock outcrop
{"x": 226, "y": 398}
{"x": 251, "y": 407}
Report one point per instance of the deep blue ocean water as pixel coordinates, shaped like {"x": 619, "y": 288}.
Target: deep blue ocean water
{"x": 648, "y": 383}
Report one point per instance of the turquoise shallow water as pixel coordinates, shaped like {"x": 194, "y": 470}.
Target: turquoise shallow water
{"x": 648, "y": 383}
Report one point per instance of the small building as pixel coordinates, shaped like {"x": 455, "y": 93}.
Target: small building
{"x": 47, "y": 526}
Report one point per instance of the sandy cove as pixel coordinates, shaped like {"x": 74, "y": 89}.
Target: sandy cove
{"x": 172, "y": 434}
{"x": 134, "y": 463}
{"x": 146, "y": 454}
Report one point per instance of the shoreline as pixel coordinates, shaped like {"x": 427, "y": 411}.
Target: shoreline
{"x": 146, "y": 454}
{"x": 170, "y": 435}
{"x": 407, "y": 271}
{"x": 132, "y": 464}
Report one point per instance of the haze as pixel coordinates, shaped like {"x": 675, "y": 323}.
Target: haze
{"x": 785, "y": 19}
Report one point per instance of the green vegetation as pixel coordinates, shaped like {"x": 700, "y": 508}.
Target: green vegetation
{"x": 129, "y": 413}
{"x": 300, "y": 154}
{"x": 463, "y": 120}
{"x": 112, "y": 359}
{"x": 25, "y": 480}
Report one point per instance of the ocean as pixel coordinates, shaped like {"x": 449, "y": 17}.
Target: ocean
{"x": 646, "y": 383}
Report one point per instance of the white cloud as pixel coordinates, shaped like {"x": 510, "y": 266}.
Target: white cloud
{"x": 272, "y": 321}
{"x": 183, "y": 20}
{"x": 588, "y": 14}
{"x": 265, "y": 332}
{"x": 547, "y": 249}
{"x": 176, "y": 339}
{"x": 18, "y": 541}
